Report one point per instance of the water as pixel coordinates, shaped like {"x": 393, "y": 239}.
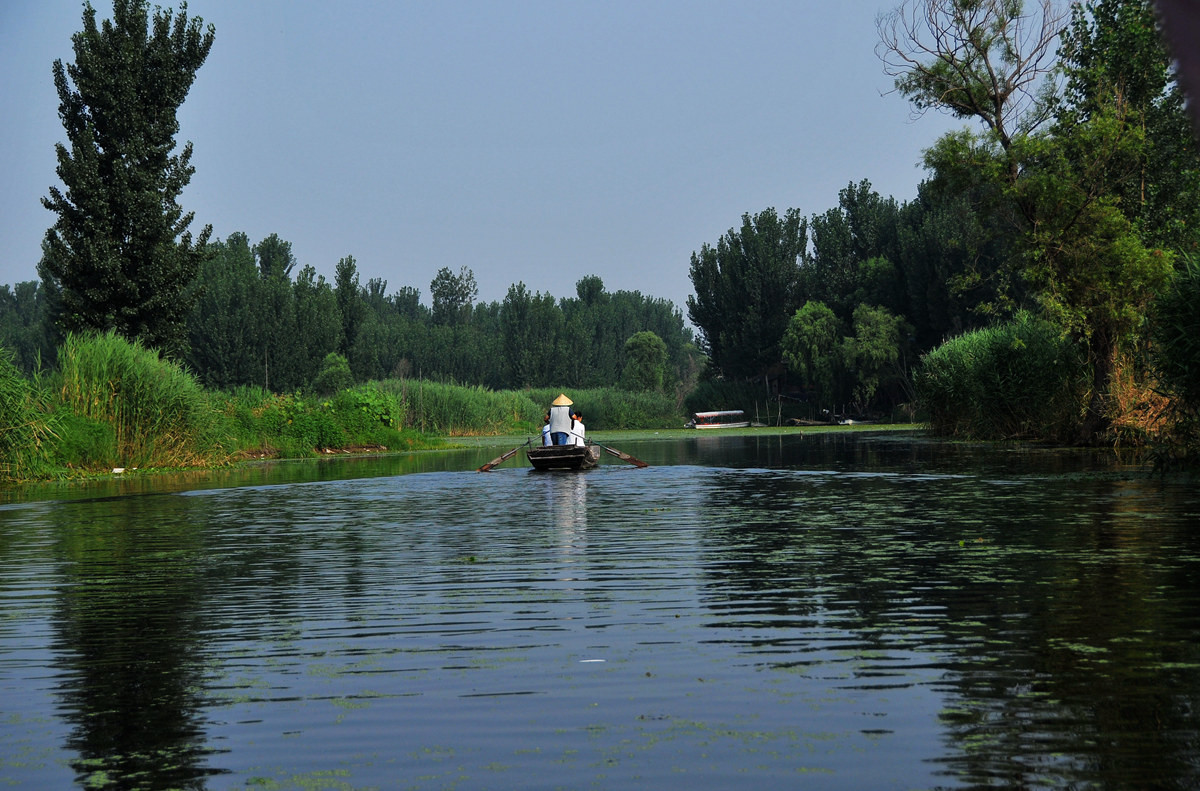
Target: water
{"x": 840, "y": 612}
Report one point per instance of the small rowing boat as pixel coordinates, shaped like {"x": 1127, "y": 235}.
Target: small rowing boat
{"x": 564, "y": 457}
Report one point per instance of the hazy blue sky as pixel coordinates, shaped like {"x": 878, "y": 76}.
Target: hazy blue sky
{"x": 530, "y": 141}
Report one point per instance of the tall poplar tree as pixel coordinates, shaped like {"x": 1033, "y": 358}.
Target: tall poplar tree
{"x": 120, "y": 254}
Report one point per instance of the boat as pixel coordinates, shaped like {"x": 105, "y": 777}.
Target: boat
{"x": 564, "y": 457}
{"x": 728, "y": 418}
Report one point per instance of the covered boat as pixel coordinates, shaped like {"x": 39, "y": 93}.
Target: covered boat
{"x": 564, "y": 457}
{"x": 728, "y": 418}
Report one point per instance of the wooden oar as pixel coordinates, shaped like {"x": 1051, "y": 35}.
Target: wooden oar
{"x": 624, "y": 456}
{"x": 501, "y": 459}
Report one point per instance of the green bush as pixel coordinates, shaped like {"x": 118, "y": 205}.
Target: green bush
{"x": 1176, "y": 333}
{"x": 84, "y": 442}
{"x": 159, "y": 414}
{"x": 26, "y": 428}
{"x": 1020, "y": 379}
{"x": 334, "y": 375}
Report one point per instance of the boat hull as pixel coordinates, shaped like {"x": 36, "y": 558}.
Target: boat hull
{"x": 564, "y": 457}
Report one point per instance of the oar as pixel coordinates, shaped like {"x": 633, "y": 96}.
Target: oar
{"x": 501, "y": 459}
{"x": 624, "y": 456}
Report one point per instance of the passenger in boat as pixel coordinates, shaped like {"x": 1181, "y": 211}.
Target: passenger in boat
{"x": 577, "y": 429}
{"x": 546, "y": 430}
{"x": 560, "y": 420}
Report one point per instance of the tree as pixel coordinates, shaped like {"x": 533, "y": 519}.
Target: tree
{"x": 1114, "y": 57}
{"x": 349, "y": 301}
{"x": 646, "y": 358}
{"x": 120, "y": 253}
{"x": 318, "y": 320}
{"x": 531, "y": 325}
{"x": 852, "y": 247}
{"x": 223, "y": 323}
{"x": 275, "y": 259}
{"x": 334, "y": 375}
{"x": 811, "y": 348}
{"x": 986, "y": 59}
{"x": 452, "y": 295}
{"x": 22, "y": 325}
{"x": 874, "y": 351}
{"x": 746, "y": 288}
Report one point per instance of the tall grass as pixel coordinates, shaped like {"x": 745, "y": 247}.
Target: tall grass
{"x": 610, "y": 409}
{"x": 461, "y": 410}
{"x": 1020, "y": 379}
{"x": 158, "y": 413}
{"x": 26, "y": 427}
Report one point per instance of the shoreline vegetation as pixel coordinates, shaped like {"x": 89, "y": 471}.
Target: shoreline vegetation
{"x": 111, "y": 404}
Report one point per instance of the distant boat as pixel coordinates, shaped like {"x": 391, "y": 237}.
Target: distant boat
{"x": 729, "y": 418}
{"x": 564, "y": 457}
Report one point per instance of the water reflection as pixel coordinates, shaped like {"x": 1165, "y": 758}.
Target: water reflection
{"x": 127, "y": 642}
{"x": 855, "y": 612}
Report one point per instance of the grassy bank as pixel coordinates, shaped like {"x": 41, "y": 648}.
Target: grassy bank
{"x": 114, "y": 404}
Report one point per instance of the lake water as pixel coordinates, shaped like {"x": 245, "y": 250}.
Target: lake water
{"x": 839, "y": 611}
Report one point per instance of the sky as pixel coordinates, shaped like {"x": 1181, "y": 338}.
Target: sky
{"x": 536, "y": 141}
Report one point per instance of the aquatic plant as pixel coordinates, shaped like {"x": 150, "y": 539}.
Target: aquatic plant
{"x": 25, "y": 424}
{"x": 159, "y": 414}
{"x": 1018, "y": 379}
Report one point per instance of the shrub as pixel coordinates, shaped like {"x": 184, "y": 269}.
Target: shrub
{"x": 1176, "y": 333}
{"x": 334, "y": 375}
{"x": 26, "y": 428}
{"x": 1022, "y": 379}
{"x": 159, "y": 414}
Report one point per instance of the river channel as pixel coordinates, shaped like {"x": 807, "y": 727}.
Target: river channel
{"x": 824, "y": 611}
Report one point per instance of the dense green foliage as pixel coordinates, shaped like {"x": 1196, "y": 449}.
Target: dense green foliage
{"x": 112, "y": 403}
{"x": 254, "y": 325}
{"x": 1071, "y": 203}
{"x": 25, "y": 424}
{"x": 119, "y": 255}
{"x": 157, "y": 411}
{"x": 1018, "y": 379}
{"x": 1177, "y": 335}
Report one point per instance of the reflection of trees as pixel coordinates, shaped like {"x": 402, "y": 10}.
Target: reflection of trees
{"x": 1046, "y": 603}
{"x": 128, "y": 642}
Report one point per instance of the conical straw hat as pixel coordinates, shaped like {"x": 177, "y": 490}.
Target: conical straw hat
{"x": 562, "y": 400}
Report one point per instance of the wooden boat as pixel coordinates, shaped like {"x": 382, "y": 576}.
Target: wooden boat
{"x": 729, "y": 418}
{"x": 564, "y": 457}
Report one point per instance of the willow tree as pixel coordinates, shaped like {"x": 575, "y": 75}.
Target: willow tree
{"x": 120, "y": 255}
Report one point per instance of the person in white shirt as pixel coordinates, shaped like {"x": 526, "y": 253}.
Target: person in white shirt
{"x": 577, "y": 429}
{"x": 546, "y": 440}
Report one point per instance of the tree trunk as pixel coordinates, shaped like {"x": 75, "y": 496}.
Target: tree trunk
{"x": 1096, "y": 420}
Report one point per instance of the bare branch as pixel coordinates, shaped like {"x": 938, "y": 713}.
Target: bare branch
{"x": 985, "y": 59}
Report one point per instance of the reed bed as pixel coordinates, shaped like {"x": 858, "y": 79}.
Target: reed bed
{"x": 1017, "y": 380}
{"x": 610, "y": 409}
{"x": 27, "y": 428}
{"x": 158, "y": 413}
{"x": 462, "y": 410}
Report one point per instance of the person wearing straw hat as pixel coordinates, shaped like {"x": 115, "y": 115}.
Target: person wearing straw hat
{"x": 560, "y": 420}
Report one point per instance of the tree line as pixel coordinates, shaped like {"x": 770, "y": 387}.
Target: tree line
{"x": 260, "y": 319}
{"x": 1077, "y": 201}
